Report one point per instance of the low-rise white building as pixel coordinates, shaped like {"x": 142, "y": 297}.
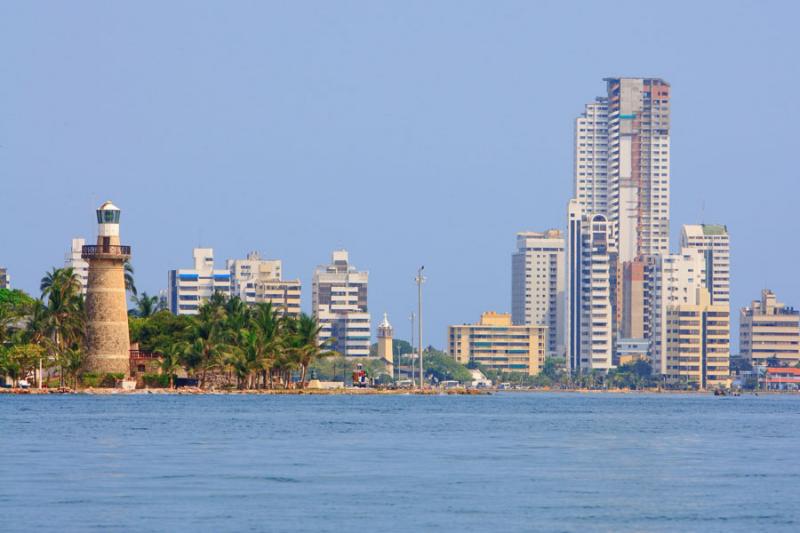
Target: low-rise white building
{"x": 257, "y": 280}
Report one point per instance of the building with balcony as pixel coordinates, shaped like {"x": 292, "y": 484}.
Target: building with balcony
{"x": 537, "y": 285}
{"x": 591, "y": 282}
{"x": 339, "y": 301}
{"x": 190, "y": 288}
{"x": 496, "y": 343}
{"x": 257, "y": 280}
{"x": 769, "y": 330}
{"x": 77, "y": 263}
{"x": 698, "y": 343}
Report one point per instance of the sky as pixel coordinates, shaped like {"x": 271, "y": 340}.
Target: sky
{"x": 411, "y": 133}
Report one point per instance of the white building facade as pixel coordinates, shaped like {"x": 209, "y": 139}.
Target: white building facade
{"x": 590, "y": 312}
{"x": 537, "y": 285}
{"x": 189, "y": 288}
{"x": 339, "y": 301}
{"x": 714, "y": 242}
{"x": 79, "y": 265}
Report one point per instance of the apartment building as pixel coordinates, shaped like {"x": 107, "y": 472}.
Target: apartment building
{"x": 189, "y": 288}
{"x": 769, "y": 330}
{"x": 713, "y": 240}
{"x": 257, "y": 280}
{"x": 590, "y": 287}
{"x": 79, "y": 265}
{"x": 5, "y": 278}
{"x": 537, "y": 285}
{"x": 339, "y": 301}
{"x": 496, "y": 343}
{"x": 698, "y": 343}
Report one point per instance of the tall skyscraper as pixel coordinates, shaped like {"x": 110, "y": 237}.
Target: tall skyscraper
{"x": 590, "y": 305}
{"x": 714, "y": 242}
{"x": 257, "y": 280}
{"x": 339, "y": 301}
{"x": 78, "y": 264}
{"x": 622, "y": 163}
{"x": 190, "y": 288}
{"x": 537, "y": 285}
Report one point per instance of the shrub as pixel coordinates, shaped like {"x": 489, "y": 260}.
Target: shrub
{"x": 90, "y": 379}
{"x": 156, "y": 380}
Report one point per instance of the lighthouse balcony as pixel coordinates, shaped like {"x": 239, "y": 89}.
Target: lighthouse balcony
{"x": 105, "y": 251}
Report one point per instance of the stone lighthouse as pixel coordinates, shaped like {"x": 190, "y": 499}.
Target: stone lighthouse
{"x": 385, "y": 344}
{"x": 107, "y": 340}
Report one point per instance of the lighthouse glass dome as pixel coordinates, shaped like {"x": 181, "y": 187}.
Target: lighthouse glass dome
{"x": 108, "y": 214}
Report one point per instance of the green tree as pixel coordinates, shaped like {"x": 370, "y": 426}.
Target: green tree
{"x": 145, "y": 305}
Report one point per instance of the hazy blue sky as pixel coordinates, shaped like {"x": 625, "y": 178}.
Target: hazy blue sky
{"x": 408, "y": 132}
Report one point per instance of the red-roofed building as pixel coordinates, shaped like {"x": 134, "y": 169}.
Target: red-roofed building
{"x": 778, "y": 378}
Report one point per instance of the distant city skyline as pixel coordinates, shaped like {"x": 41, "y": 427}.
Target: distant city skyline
{"x": 428, "y": 135}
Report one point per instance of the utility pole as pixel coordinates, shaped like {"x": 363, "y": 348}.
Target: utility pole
{"x": 411, "y": 318}
{"x": 420, "y": 279}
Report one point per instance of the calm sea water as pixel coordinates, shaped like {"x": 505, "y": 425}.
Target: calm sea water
{"x": 508, "y": 462}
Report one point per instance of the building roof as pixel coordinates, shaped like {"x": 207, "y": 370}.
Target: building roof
{"x": 108, "y": 206}
{"x": 714, "y": 229}
{"x": 782, "y": 370}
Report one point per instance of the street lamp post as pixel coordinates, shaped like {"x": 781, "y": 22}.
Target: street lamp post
{"x": 420, "y": 279}
{"x": 411, "y": 318}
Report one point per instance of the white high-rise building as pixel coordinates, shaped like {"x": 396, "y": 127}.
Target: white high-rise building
{"x": 714, "y": 242}
{"x": 591, "y": 157}
{"x": 622, "y": 160}
{"x": 670, "y": 280}
{"x": 590, "y": 310}
{"x": 339, "y": 301}
{"x": 537, "y": 285}
{"x": 257, "y": 280}
{"x": 190, "y": 288}
{"x": 79, "y": 265}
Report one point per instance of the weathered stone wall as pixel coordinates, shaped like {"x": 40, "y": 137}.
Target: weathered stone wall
{"x": 107, "y": 341}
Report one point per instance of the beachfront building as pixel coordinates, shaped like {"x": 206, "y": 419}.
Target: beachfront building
{"x": 670, "y": 280}
{"x": 769, "y": 330}
{"x": 590, "y": 285}
{"x": 107, "y": 339}
{"x": 257, "y": 280}
{"x": 5, "y": 278}
{"x": 496, "y": 343}
{"x": 781, "y": 378}
{"x": 77, "y": 263}
{"x": 189, "y": 288}
{"x": 339, "y": 301}
{"x": 698, "y": 343}
{"x": 537, "y": 285}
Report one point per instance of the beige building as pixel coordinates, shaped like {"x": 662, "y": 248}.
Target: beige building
{"x": 537, "y": 285}
{"x": 698, "y": 343}
{"x": 257, "y": 280}
{"x": 769, "y": 329}
{"x": 713, "y": 240}
{"x": 497, "y": 344}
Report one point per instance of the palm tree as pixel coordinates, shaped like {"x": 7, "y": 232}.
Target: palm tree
{"x": 172, "y": 359}
{"x": 71, "y": 362}
{"x": 66, "y": 317}
{"x": 268, "y": 327}
{"x": 145, "y": 305}
{"x": 130, "y": 286}
{"x": 307, "y": 345}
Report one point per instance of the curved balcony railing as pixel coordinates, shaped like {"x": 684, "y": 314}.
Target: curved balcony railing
{"x": 91, "y": 251}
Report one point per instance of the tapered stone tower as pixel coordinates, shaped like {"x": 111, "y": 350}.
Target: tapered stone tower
{"x": 385, "y": 344}
{"x": 107, "y": 341}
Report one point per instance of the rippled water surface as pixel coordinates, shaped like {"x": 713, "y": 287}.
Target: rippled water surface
{"x": 508, "y": 462}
